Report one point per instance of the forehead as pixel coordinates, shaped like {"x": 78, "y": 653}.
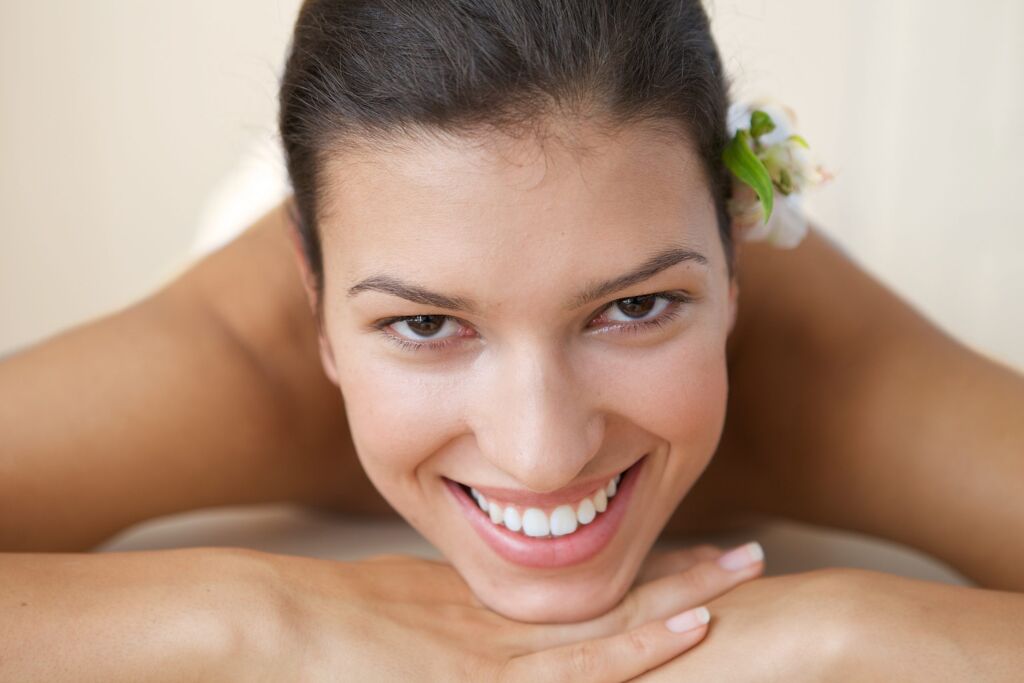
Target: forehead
{"x": 492, "y": 207}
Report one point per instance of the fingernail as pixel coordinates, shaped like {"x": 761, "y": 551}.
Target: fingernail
{"x": 742, "y": 557}
{"x": 689, "y": 620}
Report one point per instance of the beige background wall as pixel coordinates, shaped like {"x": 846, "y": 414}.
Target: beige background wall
{"x": 118, "y": 118}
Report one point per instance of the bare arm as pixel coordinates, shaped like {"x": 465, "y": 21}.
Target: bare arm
{"x": 216, "y": 614}
{"x": 206, "y": 393}
{"x": 166, "y": 616}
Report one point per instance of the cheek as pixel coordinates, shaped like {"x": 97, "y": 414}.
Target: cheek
{"x": 677, "y": 392}
{"x": 691, "y": 399}
{"x": 398, "y": 418}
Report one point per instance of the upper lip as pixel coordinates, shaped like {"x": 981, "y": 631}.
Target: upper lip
{"x": 527, "y": 498}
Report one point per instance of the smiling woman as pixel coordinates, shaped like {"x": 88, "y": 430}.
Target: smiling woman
{"x": 528, "y": 317}
{"x": 510, "y": 225}
{"x": 554, "y": 184}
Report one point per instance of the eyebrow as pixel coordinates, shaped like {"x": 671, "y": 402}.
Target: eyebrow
{"x": 652, "y": 266}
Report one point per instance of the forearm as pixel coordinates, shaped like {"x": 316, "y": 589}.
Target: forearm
{"x": 910, "y": 630}
{"x": 171, "y": 615}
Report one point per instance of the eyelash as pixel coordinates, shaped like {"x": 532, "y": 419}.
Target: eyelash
{"x": 676, "y": 301}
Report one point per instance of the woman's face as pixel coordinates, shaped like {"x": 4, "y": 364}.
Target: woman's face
{"x": 530, "y": 320}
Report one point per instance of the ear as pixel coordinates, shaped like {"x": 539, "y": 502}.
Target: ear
{"x": 327, "y": 358}
{"x": 313, "y": 299}
{"x": 734, "y": 295}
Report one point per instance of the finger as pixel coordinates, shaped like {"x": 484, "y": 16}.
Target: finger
{"x": 657, "y": 599}
{"x": 613, "y": 658}
{"x": 659, "y": 564}
{"x": 700, "y": 583}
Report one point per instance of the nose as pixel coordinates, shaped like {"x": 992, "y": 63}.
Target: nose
{"x": 536, "y": 421}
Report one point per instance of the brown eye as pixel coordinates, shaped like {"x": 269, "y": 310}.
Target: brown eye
{"x": 636, "y": 306}
{"x": 420, "y": 327}
{"x": 642, "y": 309}
{"x": 425, "y": 325}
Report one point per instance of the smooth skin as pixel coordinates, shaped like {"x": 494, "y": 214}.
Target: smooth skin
{"x": 532, "y": 377}
{"x": 847, "y": 409}
{"x": 226, "y": 614}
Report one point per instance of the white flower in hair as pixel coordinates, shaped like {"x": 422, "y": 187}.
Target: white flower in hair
{"x": 773, "y": 167}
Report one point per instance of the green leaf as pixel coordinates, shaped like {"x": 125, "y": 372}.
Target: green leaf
{"x": 799, "y": 140}
{"x": 745, "y": 165}
{"x": 760, "y": 123}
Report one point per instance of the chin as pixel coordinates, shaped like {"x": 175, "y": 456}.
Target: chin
{"x": 561, "y": 598}
{"x": 578, "y": 576}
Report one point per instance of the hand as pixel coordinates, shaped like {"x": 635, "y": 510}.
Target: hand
{"x": 401, "y": 618}
{"x": 853, "y": 625}
{"x": 787, "y": 628}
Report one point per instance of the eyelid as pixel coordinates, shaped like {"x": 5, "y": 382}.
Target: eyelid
{"x": 677, "y": 299}
{"x": 445, "y": 320}
{"x": 384, "y": 324}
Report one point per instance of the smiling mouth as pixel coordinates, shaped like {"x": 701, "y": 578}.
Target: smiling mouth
{"x": 549, "y": 537}
{"x": 537, "y": 522}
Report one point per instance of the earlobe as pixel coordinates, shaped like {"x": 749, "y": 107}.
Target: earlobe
{"x": 312, "y": 297}
{"x": 734, "y": 294}
{"x": 327, "y": 358}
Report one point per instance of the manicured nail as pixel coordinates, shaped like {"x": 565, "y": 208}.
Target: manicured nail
{"x": 742, "y": 557}
{"x": 689, "y": 620}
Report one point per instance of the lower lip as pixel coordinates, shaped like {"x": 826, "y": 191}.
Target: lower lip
{"x": 560, "y": 551}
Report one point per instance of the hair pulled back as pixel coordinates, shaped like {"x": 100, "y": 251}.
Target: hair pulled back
{"x": 360, "y": 71}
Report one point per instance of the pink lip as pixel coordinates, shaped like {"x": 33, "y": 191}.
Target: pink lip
{"x": 549, "y": 553}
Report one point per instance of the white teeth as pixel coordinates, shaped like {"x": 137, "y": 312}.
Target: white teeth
{"x": 512, "y": 520}
{"x": 563, "y": 521}
{"x": 535, "y": 523}
{"x": 586, "y": 512}
{"x": 480, "y": 500}
{"x": 497, "y": 514}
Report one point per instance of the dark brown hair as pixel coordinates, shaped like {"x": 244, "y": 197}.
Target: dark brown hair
{"x": 365, "y": 70}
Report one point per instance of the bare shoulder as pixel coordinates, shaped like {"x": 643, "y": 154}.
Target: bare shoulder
{"x": 254, "y": 285}
{"x": 801, "y": 337}
{"x": 850, "y": 409}
{"x": 252, "y": 282}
